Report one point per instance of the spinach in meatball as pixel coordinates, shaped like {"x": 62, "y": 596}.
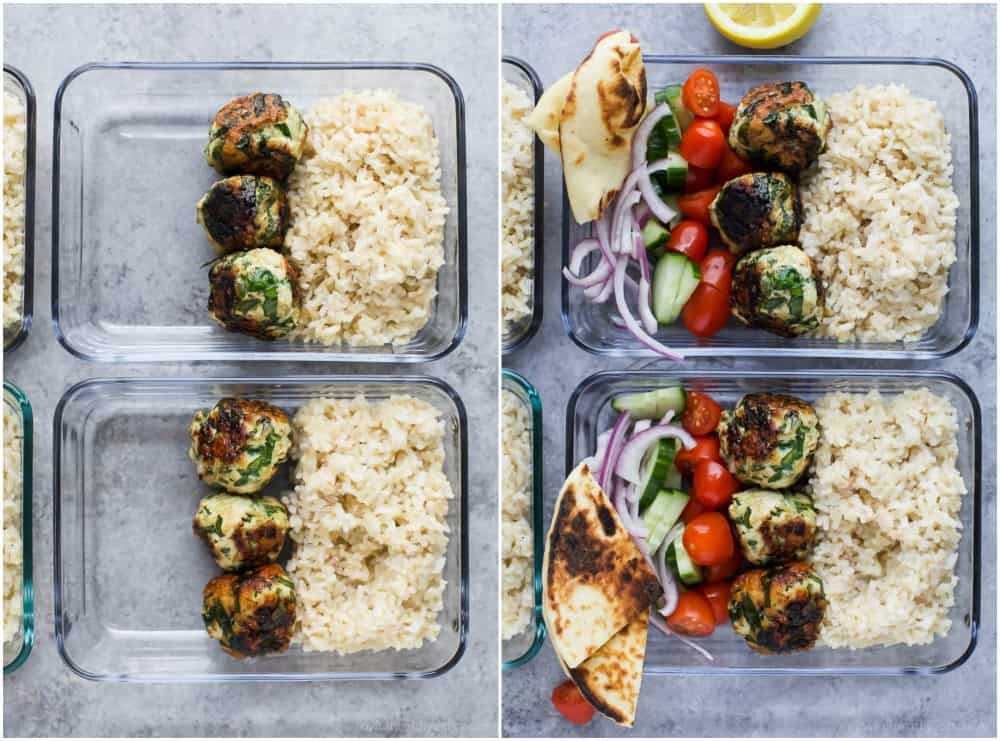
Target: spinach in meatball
{"x": 778, "y": 610}
{"x": 777, "y": 289}
{"x": 251, "y": 614}
{"x": 260, "y": 134}
{"x": 241, "y": 531}
{"x": 255, "y": 292}
{"x": 773, "y": 527}
{"x": 243, "y": 212}
{"x": 759, "y": 209}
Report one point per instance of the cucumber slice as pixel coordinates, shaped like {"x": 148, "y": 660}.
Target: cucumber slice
{"x": 671, "y": 95}
{"x": 654, "y": 233}
{"x": 655, "y": 468}
{"x": 676, "y": 172}
{"x": 674, "y": 279}
{"x": 662, "y": 514}
{"x": 651, "y": 404}
{"x": 687, "y": 570}
{"x": 673, "y": 200}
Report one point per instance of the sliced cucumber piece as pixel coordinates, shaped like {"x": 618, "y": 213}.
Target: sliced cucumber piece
{"x": 654, "y": 233}
{"x": 651, "y": 404}
{"x": 673, "y": 200}
{"x": 662, "y": 514}
{"x": 671, "y": 95}
{"x": 655, "y": 468}
{"x": 687, "y": 570}
{"x": 674, "y": 279}
{"x": 676, "y": 172}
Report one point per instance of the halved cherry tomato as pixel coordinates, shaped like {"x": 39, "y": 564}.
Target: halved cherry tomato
{"x": 701, "y": 93}
{"x": 697, "y": 179}
{"x": 705, "y": 448}
{"x": 725, "y": 115}
{"x": 717, "y": 594}
{"x": 572, "y": 704}
{"x": 693, "y": 616}
{"x": 689, "y": 238}
{"x": 695, "y": 205}
{"x": 614, "y": 30}
{"x": 703, "y": 143}
{"x": 724, "y": 570}
{"x": 701, "y": 412}
{"x": 707, "y": 311}
{"x": 717, "y": 269}
{"x": 713, "y": 485}
{"x": 708, "y": 539}
{"x": 691, "y": 510}
{"x": 732, "y": 165}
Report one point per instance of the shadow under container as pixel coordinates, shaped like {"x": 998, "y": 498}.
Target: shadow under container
{"x": 129, "y": 573}
{"x": 589, "y": 412}
{"x": 519, "y": 73}
{"x": 523, "y": 647}
{"x": 16, "y": 404}
{"x": 16, "y": 83}
{"x": 130, "y": 262}
{"x": 592, "y": 326}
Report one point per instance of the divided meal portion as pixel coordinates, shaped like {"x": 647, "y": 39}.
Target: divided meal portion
{"x": 15, "y": 169}
{"x": 13, "y": 550}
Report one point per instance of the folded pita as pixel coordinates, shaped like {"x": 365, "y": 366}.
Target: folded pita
{"x": 544, "y": 119}
{"x": 595, "y": 580}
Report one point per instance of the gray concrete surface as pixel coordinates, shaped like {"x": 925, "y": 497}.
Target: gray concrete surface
{"x": 44, "y": 698}
{"x": 961, "y": 703}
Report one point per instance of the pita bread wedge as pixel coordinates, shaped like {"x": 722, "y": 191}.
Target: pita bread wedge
{"x": 595, "y": 580}
{"x": 610, "y": 679}
{"x": 544, "y": 119}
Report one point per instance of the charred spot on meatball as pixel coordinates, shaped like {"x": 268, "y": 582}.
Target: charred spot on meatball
{"x": 241, "y": 531}
{"x": 244, "y": 212}
{"x": 759, "y": 209}
{"x": 260, "y": 134}
{"x": 777, "y": 289}
{"x": 251, "y": 614}
{"x": 778, "y": 610}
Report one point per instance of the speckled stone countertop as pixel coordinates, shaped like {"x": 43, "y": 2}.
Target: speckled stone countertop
{"x": 45, "y": 698}
{"x": 961, "y": 703}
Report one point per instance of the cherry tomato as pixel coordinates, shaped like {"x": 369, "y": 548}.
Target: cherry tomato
{"x": 717, "y": 269}
{"x": 701, "y": 412}
{"x": 732, "y": 165}
{"x": 724, "y": 570}
{"x": 571, "y": 703}
{"x": 707, "y": 311}
{"x": 692, "y": 509}
{"x": 713, "y": 485}
{"x": 703, "y": 144}
{"x": 717, "y": 594}
{"x": 695, "y": 205}
{"x": 689, "y": 238}
{"x": 697, "y": 179}
{"x": 614, "y": 30}
{"x": 708, "y": 539}
{"x": 694, "y": 616}
{"x": 725, "y": 116}
{"x": 706, "y": 448}
{"x": 701, "y": 93}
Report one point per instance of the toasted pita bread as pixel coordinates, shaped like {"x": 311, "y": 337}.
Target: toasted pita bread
{"x": 595, "y": 580}
{"x": 544, "y": 119}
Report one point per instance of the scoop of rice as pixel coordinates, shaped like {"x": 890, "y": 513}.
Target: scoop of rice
{"x": 517, "y": 550}
{"x": 518, "y": 205}
{"x": 15, "y": 167}
{"x": 12, "y": 552}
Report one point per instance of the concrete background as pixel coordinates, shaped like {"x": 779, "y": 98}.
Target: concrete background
{"x": 961, "y": 703}
{"x": 44, "y": 698}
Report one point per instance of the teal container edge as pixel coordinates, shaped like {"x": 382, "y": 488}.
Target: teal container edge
{"x": 27, "y": 586}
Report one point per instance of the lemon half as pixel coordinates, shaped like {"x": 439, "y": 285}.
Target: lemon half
{"x": 763, "y": 25}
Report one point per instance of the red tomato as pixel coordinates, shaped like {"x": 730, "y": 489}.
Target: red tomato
{"x": 703, "y": 144}
{"x": 725, "y": 116}
{"x": 701, "y": 412}
{"x": 724, "y": 570}
{"x": 717, "y": 594}
{"x": 694, "y": 616}
{"x": 698, "y": 179}
{"x": 701, "y": 93}
{"x": 732, "y": 165}
{"x": 717, "y": 269}
{"x": 571, "y": 703}
{"x": 707, "y": 311}
{"x": 695, "y": 205}
{"x": 692, "y": 509}
{"x": 689, "y": 238}
{"x": 705, "y": 449}
{"x": 713, "y": 485}
{"x": 614, "y": 30}
{"x": 708, "y": 539}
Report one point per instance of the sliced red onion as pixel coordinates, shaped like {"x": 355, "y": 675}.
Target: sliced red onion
{"x": 618, "y": 321}
{"x": 621, "y": 227}
{"x": 656, "y": 204}
{"x": 580, "y": 252}
{"x": 656, "y": 619}
{"x": 641, "y": 426}
{"x": 649, "y": 322}
{"x": 630, "y": 323}
{"x": 598, "y": 276}
{"x": 667, "y": 581}
{"x": 642, "y": 214}
{"x": 640, "y": 141}
{"x": 615, "y": 444}
{"x": 595, "y": 461}
{"x": 630, "y": 459}
{"x": 667, "y": 417}
{"x": 635, "y": 529}
{"x": 604, "y": 294}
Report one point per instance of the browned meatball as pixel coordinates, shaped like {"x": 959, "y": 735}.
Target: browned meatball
{"x": 260, "y": 134}
{"x": 778, "y": 610}
{"x": 251, "y": 614}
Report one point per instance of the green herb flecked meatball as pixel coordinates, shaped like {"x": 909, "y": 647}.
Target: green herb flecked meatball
{"x": 255, "y": 292}
{"x": 772, "y": 526}
{"x": 241, "y": 531}
{"x": 778, "y": 610}
{"x": 243, "y": 212}
{"x": 768, "y": 440}
{"x": 239, "y": 444}
{"x": 251, "y": 614}
{"x": 260, "y": 134}
{"x": 759, "y": 209}
{"x": 777, "y": 289}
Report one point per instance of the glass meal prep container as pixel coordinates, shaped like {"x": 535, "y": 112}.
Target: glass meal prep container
{"x": 520, "y": 73}
{"x": 130, "y": 273}
{"x": 15, "y": 403}
{"x": 589, "y": 411}
{"x": 590, "y": 325}
{"x": 129, "y": 572}
{"x": 15, "y": 83}
{"x": 520, "y": 649}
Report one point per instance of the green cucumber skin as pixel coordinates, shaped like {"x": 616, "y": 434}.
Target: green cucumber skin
{"x": 687, "y": 571}
{"x": 651, "y": 404}
{"x": 664, "y": 513}
{"x": 674, "y": 279}
{"x": 658, "y": 469}
{"x": 654, "y": 234}
{"x": 671, "y": 95}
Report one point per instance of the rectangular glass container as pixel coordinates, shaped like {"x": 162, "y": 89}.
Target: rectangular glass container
{"x": 589, "y": 411}
{"x": 518, "y": 72}
{"x": 15, "y": 82}
{"x": 590, "y": 325}
{"x": 128, "y": 571}
{"x": 130, "y": 275}
{"x": 522, "y": 648}
{"x": 16, "y": 652}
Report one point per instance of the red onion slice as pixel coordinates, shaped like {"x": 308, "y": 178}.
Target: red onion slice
{"x": 615, "y": 443}
{"x": 657, "y": 205}
{"x": 645, "y": 287}
{"x": 580, "y": 252}
{"x": 630, "y": 322}
{"x": 598, "y": 276}
{"x": 630, "y": 458}
{"x": 640, "y": 142}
